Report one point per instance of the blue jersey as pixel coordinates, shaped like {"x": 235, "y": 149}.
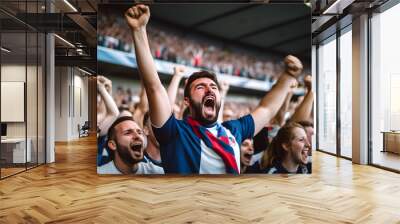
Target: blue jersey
{"x": 185, "y": 153}
{"x": 103, "y": 153}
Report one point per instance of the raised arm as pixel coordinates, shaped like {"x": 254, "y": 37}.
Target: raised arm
{"x": 224, "y": 91}
{"x": 101, "y": 110}
{"x": 142, "y": 107}
{"x": 111, "y": 108}
{"x": 174, "y": 84}
{"x": 280, "y": 116}
{"x": 160, "y": 108}
{"x": 101, "y": 107}
{"x": 303, "y": 112}
{"x": 274, "y": 99}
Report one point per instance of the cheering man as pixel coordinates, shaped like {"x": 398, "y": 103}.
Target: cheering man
{"x": 127, "y": 142}
{"x": 199, "y": 144}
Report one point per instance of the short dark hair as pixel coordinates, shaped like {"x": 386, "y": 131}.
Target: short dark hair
{"x": 198, "y": 75}
{"x": 111, "y": 130}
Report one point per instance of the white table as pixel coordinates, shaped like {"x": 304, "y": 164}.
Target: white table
{"x": 18, "y": 151}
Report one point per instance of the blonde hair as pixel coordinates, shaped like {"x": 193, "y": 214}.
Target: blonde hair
{"x": 275, "y": 151}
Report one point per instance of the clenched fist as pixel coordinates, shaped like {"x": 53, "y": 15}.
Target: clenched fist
{"x": 293, "y": 66}
{"x": 103, "y": 81}
{"x": 179, "y": 70}
{"x": 224, "y": 84}
{"x": 308, "y": 82}
{"x": 137, "y": 16}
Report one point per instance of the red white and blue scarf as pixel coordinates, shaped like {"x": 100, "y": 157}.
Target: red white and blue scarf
{"x": 219, "y": 144}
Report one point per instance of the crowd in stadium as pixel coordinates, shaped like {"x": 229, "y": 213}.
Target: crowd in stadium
{"x": 194, "y": 131}
{"x": 174, "y": 46}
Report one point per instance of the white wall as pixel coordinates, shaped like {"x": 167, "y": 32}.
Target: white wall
{"x": 61, "y": 98}
{"x": 33, "y": 126}
{"x": 71, "y": 102}
{"x": 80, "y": 103}
{"x": 12, "y": 73}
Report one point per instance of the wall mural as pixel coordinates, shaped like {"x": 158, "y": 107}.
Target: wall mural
{"x": 204, "y": 89}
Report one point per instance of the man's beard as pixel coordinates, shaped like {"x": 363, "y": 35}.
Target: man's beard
{"x": 125, "y": 154}
{"x": 197, "y": 114}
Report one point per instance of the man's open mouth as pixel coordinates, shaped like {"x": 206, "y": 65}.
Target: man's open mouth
{"x": 209, "y": 106}
{"x": 137, "y": 147}
{"x": 209, "y": 101}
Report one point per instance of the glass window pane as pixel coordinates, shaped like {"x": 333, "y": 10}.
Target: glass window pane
{"x": 327, "y": 96}
{"x": 385, "y": 86}
{"x": 41, "y": 98}
{"x": 22, "y": 62}
{"x": 13, "y": 85}
{"x": 31, "y": 96}
{"x": 346, "y": 94}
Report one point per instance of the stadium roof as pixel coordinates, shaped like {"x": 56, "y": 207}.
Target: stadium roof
{"x": 278, "y": 29}
{"x": 274, "y": 28}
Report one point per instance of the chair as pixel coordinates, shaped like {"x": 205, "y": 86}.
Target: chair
{"x": 84, "y": 130}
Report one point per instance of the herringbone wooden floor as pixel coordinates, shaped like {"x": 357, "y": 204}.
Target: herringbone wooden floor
{"x": 70, "y": 191}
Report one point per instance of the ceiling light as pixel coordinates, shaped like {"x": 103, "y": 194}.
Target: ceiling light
{"x": 331, "y": 7}
{"x": 79, "y": 51}
{"x": 65, "y": 41}
{"x": 84, "y": 71}
{"x": 70, "y": 5}
{"x": 337, "y": 7}
{"x": 5, "y": 50}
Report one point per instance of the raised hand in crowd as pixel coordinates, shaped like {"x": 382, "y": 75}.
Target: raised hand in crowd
{"x": 159, "y": 105}
{"x": 293, "y": 66}
{"x": 106, "y": 82}
{"x": 308, "y": 82}
{"x": 275, "y": 98}
{"x": 174, "y": 84}
{"x": 280, "y": 117}
{"x": 303, "y": 111}
{"x": 101, "y": 107}
{"x": 137, "y": 17}
{"x": 142, "y": 106}
{"x": 224, "y": 88}
{"x": 111, "y": 109}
